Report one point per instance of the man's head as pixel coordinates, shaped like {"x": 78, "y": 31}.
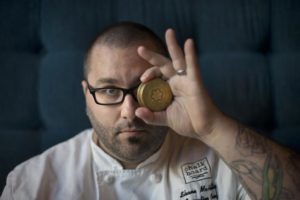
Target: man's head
{"x": 113, "y": 62}
{"x": 123, "y": 35}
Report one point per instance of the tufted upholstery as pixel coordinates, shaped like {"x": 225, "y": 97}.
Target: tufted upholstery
{"x": 249, "y": 54}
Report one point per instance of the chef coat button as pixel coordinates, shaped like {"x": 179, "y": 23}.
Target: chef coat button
{"x": 155, "y": 178}
{"x": 109, "y": 179}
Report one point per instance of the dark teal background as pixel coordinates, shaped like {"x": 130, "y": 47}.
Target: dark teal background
{"x": 249, "y": 53}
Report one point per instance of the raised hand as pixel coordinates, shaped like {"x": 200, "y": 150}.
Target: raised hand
{"x": 192, "y": 112}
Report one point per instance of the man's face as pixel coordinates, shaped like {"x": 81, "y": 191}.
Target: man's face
{"x": 120, "y": 133}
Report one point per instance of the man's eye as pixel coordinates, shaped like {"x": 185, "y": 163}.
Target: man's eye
{"x": 111, "y": 92}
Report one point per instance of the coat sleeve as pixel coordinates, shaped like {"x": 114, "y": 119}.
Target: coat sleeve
{"x": 7, "y": 193}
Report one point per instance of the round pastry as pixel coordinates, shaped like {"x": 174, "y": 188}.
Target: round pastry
{"x": 155, "y": 94}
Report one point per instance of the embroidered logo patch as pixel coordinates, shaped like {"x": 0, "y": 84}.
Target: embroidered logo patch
{"x": 196, "y": 171}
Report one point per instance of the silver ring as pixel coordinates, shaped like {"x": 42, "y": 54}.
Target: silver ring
{"x": 180, "y": 72}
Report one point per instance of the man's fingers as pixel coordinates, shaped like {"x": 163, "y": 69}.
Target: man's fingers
{"x": 191, "y": 57}
{"x": 181, "y": 60}
{"x": 152, "y": 57}
{"x": 162, "y": 65}
{"x": 165, "y": 72}
{"x": 151, "y": 73}
{"x": 175, "y": 51}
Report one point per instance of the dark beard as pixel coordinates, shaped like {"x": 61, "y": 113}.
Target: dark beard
{"x": 137, "y": 148}
{"x": 134, "y": 140}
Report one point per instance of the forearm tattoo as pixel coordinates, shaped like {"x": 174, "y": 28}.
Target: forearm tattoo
{"x": 272, "y": 178}
{"x": 249, "y": 169}
{"x": 248, "y": 143}
{"x": 293, "y": 165}
{"x": 270, "y": 175}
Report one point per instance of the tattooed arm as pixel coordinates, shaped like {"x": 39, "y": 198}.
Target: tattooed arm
{"x": 266, "y": 169}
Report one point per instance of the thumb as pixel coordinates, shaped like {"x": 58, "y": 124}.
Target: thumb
{"x": 149, "y": 117}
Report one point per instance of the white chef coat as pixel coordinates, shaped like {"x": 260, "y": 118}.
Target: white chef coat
{"x": 183, "y": 168}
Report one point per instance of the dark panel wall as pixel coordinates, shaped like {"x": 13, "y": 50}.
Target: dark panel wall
{"x": 249, "y": 54}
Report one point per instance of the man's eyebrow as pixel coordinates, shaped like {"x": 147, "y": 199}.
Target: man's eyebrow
{"x": 113, "y": 81}
{"x": 106, "y": 81}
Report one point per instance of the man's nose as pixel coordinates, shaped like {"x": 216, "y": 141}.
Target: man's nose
{"x": 129, "y": 106}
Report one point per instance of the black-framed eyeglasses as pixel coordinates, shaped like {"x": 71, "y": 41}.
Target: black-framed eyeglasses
{"x": 111, "y": 95}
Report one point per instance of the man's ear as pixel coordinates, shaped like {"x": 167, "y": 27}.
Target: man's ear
{"x": 84, "y": 86}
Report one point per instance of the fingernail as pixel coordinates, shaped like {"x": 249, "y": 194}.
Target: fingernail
{"x": 142, "y": 78}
